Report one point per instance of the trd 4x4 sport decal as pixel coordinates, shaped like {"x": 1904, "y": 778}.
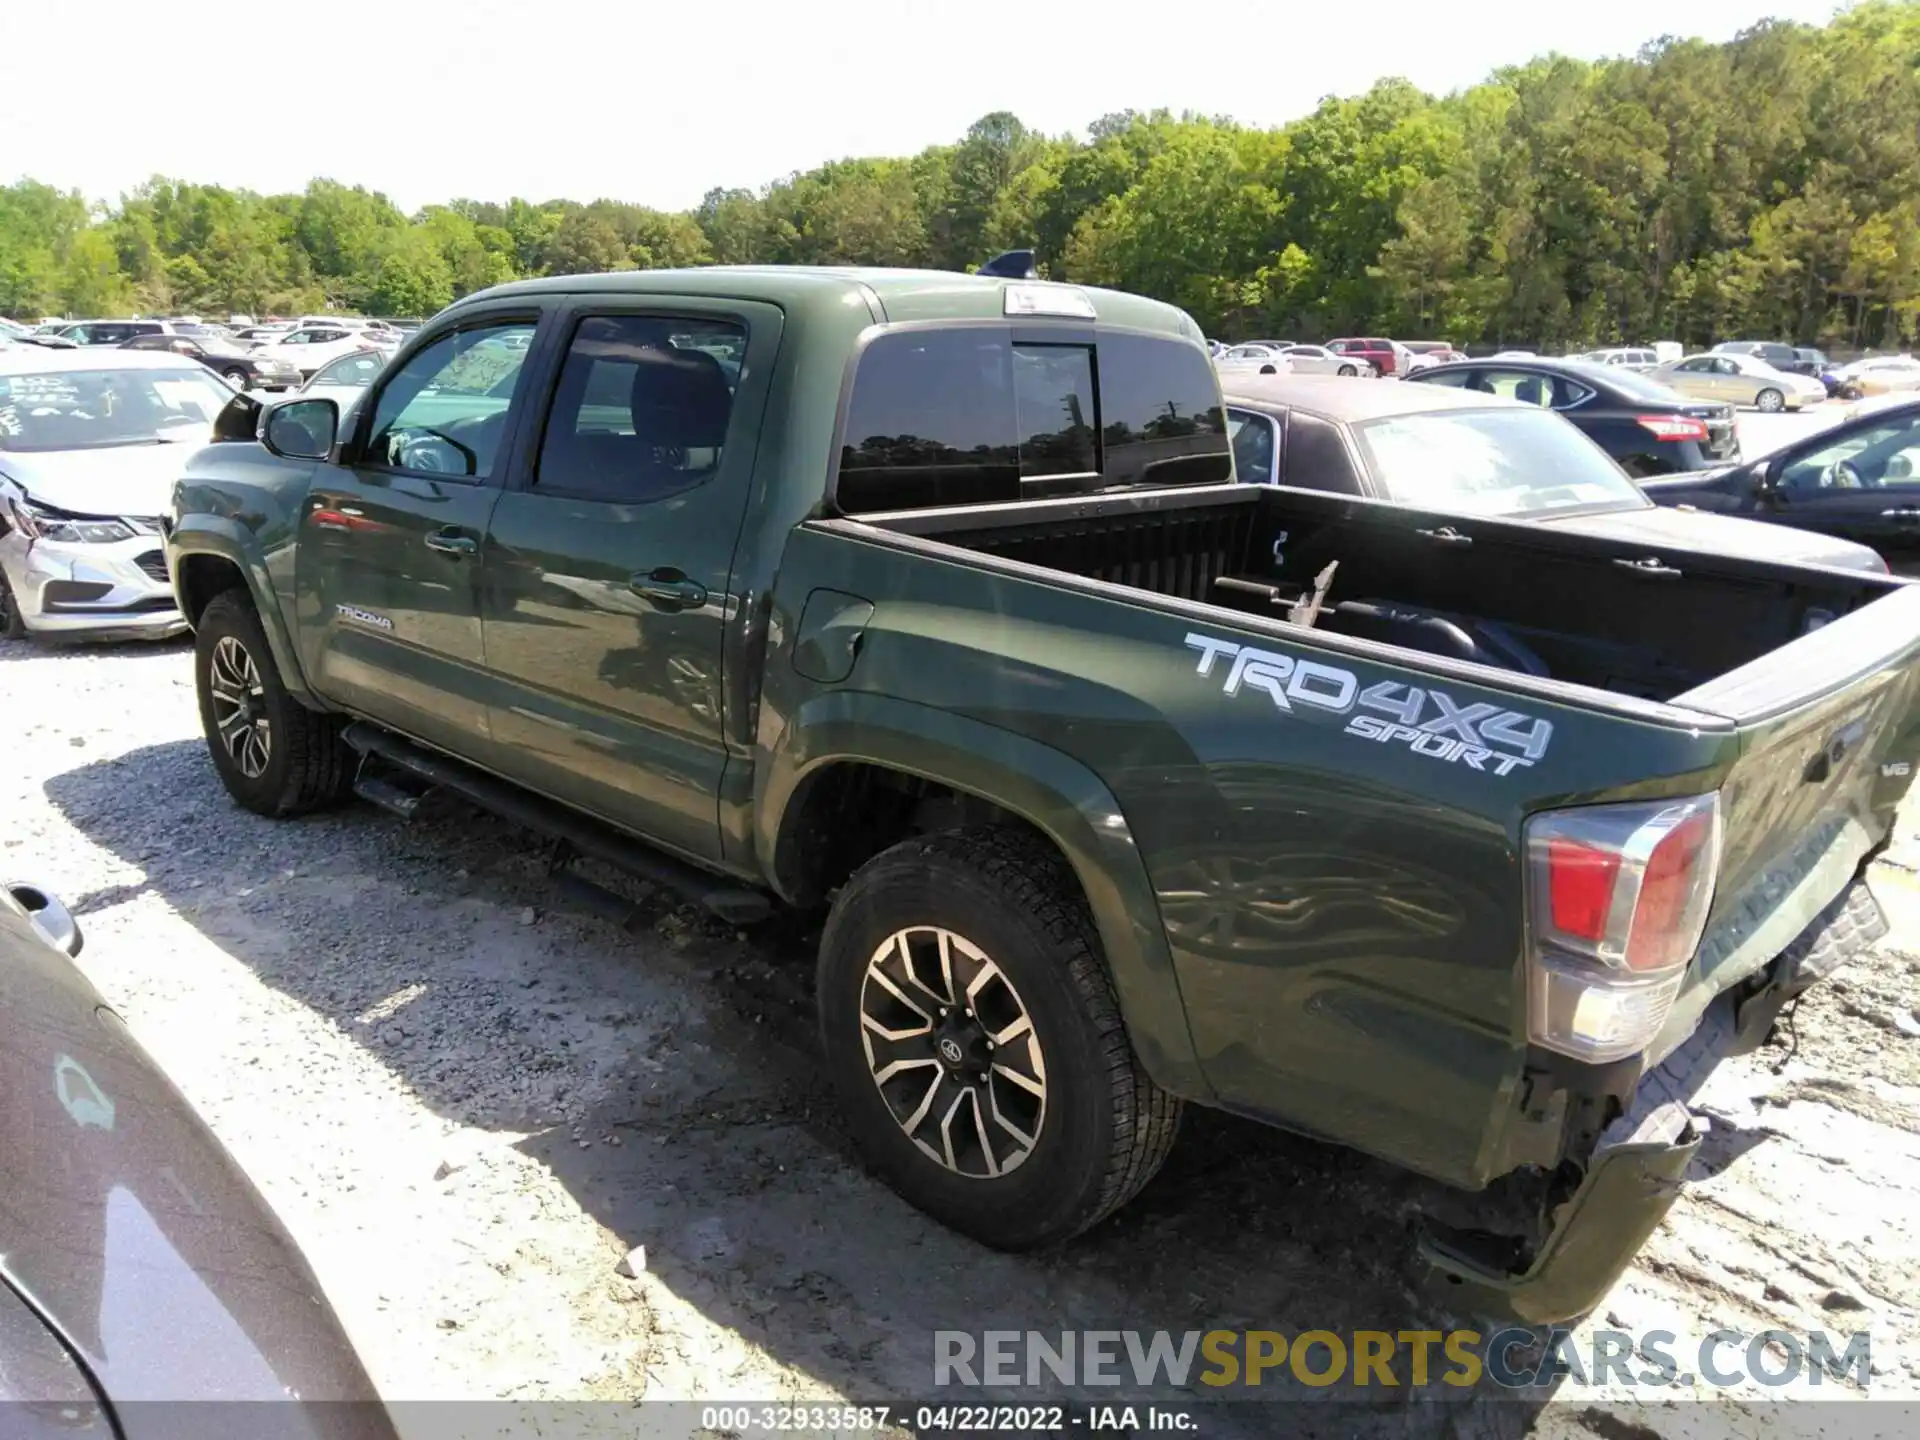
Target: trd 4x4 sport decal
{"x": 1428, "y": 722}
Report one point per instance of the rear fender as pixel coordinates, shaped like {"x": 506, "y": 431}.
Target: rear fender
{"x": 1054, "y": 793}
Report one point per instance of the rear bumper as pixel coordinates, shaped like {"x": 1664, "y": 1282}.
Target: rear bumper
{"x": 93, "y": 591}
{"x": 1638, "y": 1168}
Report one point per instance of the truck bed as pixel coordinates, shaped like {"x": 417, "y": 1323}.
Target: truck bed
{"x": 1527, "y": 598}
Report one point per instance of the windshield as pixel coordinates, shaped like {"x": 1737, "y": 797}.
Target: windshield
{"x": 1494, "y": 462}
{"x": 93, "y": 409}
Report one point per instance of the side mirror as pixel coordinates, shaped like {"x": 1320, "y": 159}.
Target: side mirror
{"x": 301, "y": 429}
{"x": 53, "y": 921}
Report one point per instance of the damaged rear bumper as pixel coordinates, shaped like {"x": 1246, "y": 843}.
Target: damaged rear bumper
{"x": 1639, "y": 1165}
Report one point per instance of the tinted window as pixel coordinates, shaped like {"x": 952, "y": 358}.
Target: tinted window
{"x": 931, "y": 423}
{"x": 1528, "y": 387}
{"x": 955, "y": 417}
{"x": 1316, "y": 456}
{"x": 1053, "y": 409}
{"x": 641, "y": 408}
{"x": 1160, "y": 416}
{"x": 445, "y": 411}
{"x": 149, "y": 342}
{"x": 349, "y": 370}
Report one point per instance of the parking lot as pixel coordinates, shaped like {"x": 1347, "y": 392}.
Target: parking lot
{"x": 469, "y": 1103}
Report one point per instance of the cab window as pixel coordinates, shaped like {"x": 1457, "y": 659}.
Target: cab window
{"x": 445, "y": 411}
{"x": 641, "y": 407}
{"x": 1878, "y": 457}
{"x": 1253, "y": 447}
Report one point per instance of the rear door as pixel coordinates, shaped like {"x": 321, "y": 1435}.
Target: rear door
{"x": 608, "y": 562}
{"x": 389, "y": 554}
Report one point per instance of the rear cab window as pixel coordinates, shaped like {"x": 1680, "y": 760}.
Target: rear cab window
{"x": 979, "y": 414}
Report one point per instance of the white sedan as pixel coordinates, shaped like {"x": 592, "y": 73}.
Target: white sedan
{"x": 312, "y": 346}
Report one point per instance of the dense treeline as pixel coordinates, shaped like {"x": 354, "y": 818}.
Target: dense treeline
{"x": 1766, "y": 187}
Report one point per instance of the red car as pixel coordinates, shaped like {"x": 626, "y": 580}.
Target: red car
{"x": 1388, "y": 357}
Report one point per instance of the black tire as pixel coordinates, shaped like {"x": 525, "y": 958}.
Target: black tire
{"x": 307, "y": 765}
{"x": 1852, "y": 392}
{"x": 1770, "y": 401}
{"x": 1106, "y": 1127}
{"x": 239, "y": 378}
{"x": 1347, "y": 370}
{"x": 12, "y": 626}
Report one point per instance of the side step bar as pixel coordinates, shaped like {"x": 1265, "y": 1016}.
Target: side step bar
{"x": 736, "y": 904}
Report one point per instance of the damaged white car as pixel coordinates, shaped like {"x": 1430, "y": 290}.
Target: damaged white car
{"x": 91, "y": 442}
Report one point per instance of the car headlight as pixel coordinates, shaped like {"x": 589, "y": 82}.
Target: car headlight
{"x": 37, "y": 522}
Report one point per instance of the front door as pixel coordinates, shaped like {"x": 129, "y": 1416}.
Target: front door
{"x": 1862, "y": 485}
{"x": 389, "y": 553}
{"x": 606, "y": 598}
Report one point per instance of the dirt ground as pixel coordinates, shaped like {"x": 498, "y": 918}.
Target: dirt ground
{"x": 469, "y": 1102}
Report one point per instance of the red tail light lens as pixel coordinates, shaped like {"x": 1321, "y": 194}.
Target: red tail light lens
{"x": 1580, "y": 883}
{"x": 1672, "y": 427}
{"x": 1617, "y": 901}
{"x": 1668, "y": 884}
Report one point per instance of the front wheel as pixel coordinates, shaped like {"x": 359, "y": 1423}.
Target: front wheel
{"x": 972, "y": 1031}
{"x": 275, "y": 756}
{"x": 1347, "y": 370}
{"x": 1771, "y": 401}
{"x": 238, "y": 378}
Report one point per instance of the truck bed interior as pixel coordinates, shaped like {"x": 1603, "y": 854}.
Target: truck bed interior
{"x": 1521, "y": 597}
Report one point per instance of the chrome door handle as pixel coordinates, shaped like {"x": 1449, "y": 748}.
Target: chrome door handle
{"x": 452, "y": 542}
{"x": 668, "y": 589}
{"x": 1906, "y": 512}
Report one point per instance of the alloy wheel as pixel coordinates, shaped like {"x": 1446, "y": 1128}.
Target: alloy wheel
{"x": 952, "y": 1051}
{"x": 239, "y": 707}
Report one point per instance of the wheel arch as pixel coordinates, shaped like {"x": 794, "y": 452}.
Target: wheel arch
{"x": 208, "y": 558}
{"x": 903, "y": 769}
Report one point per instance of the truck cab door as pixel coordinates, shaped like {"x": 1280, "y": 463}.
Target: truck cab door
{"x": 390, "y": 544}
{"x": 607, "y": 601}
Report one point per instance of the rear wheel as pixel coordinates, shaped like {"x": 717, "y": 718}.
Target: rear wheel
{"x": 275, "y": 756}
{"x": 972, "y": 1031}
{"x": 1770, "y": 400}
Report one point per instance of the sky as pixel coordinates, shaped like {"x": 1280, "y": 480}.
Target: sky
{"x": 429, "y": 100}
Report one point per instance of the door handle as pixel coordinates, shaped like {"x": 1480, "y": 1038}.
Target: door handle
{"x": 452, "y": 542}
{"x": 1652, "y": 565}
{"x": 668, "y": 589}
{"x": 1446, "y": 535}
{"x": 1905, "y": 512}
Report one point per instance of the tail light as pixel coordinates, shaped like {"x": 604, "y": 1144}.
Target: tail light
{"x": 1672, "y": 427}
{"x": 1617, "y": 900}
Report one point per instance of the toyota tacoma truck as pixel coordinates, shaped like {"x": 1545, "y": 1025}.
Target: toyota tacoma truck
{"x": 929, "y": 601}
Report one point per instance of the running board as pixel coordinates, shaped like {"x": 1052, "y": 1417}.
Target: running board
{"x": 736, "y": 904}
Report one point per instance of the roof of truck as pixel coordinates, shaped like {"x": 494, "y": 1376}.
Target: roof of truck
{"x": 1350, "y": 400}
{"x": 902, "y": 295}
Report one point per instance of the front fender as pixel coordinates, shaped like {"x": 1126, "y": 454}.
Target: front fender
{"x": 1051, "y": 791}
{"x": 222, "y": 538}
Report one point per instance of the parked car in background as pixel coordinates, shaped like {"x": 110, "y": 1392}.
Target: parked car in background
{"x": 1388, "y": 357}
{"x": 1430, "y": 352}
{"x": 1740, "y": 379}
{"x": 1625, "y": 357}
{"x": 345, "y": 380}
{"x": 1859, "y": 480}
{"x": 112, "y": 332}
{"x": 91, "y": 442}
{"x": 1252, "y": 350}
{"x": 312, "y": 346}
{"x": 48, "y": 341}
{"x": 1878, "y": 375}
{"x": 138, "y": 1264}
{"x": 1318, "y": 360}
{"x": 264, "y": 334}
{"x": 239, "y": 366}
{"x": 1436, "y": 447}
{"x": 1784, "y": 358}
{"x": 1646, "y": 427}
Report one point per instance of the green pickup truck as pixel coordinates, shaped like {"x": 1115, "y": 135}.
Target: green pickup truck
{"x": 930, "y": 601}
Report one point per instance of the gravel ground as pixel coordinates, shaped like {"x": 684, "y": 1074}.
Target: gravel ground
{"x": 469, "y": 1102}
